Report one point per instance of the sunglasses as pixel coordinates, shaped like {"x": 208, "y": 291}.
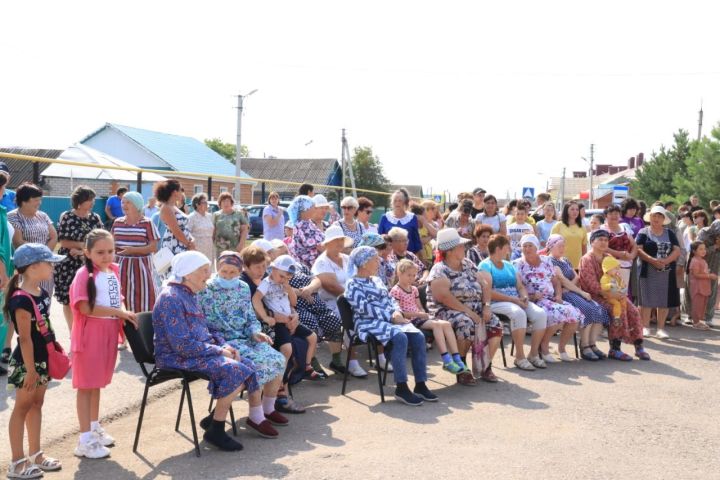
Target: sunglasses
{"x": 347, "y": 207}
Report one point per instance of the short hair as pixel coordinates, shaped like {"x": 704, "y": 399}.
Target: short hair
{"x": 252, "y": 255}
{"x": 404, "y": 265}
{"x": 349, "y": 202}
{"x": 628, "y": 204}
{"x": 544, "y": 197}
{"x": 521, "y": 207}
{"x": 672, "y": 203}
{"x": 121, "y": 191}
{"x": 225, "y": 196}
{"x": 197, "y": 200}
{"x": 387, "y": 238}
{"x": 466, "y": 207}
{"x": 81, "y": 194}
{"x": 612, "y": 208}
{"x": 566, "y": 214}
{"x": 25, "y": 192}
{"x": 480, "y": 229}
{"x": 497, "y": 241}
{"x": 599, "y": 218}
{"x": 716, "y": 210}
{"x": 273, "y": 195}
{"x": 305, "y": 189}
{"x": 364, "y": 203}
{"x": 703, "y": 215}
{"x": 464, "y": 196}
{"x": 429, "y": 204}
{"x": 164, "y": 190}
{"x": 714, "y": 203}
{"x": 397, "y": 233}
{"x": 490, "y": 198}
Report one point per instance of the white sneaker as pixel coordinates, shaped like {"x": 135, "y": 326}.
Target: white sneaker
{"x": 550, "y": 358}
{"x": 103, "y": 437}
{"x": 662, "y": 334}
{"x": 356, "y": 371}
{"x": 537, "y": 362}
{"x": 384, "y": 364}
{"x": 91, "y": 449}
{"x": 646, "y": 332}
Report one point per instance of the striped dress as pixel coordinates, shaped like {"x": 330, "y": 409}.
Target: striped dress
{"x": 34, "y": 229}
{"x": 139, "y": 281}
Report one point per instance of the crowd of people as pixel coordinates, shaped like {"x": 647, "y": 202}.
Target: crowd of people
{"x": 251, "y": 316}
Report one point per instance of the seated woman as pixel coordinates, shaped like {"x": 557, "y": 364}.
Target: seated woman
{"x": 509, "y": 298}
{"x": 544, "y": 288}
{"x": 460, "y": 294}
{"x": 377, "y": 314}
{"x": 183, "y": 341}
{"x": 479, "y": 252}
{"x": 596, "y": 317}
{"x": 400, "y": 251}
{"x": 227, "y": 306}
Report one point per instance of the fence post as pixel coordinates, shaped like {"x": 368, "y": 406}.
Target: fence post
{"x": 210, "y": 197}
{"x": 139, "y": 182}
{"x": 36, "y": 173}
{"x": 262, "y": 193}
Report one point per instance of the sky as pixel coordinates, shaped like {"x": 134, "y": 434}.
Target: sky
{"x": 450, "y": 95}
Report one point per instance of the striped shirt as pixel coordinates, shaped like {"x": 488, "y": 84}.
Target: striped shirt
{"x": 138, "y": 235}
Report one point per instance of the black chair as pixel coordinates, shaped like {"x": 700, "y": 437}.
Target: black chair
{"x": 348, "y": 322}
{"x": 143, "y": 349}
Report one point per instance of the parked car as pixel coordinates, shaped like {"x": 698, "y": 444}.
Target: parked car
{"x": 254, "y": 213}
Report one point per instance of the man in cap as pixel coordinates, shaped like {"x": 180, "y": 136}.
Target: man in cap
{"x": 478, "y": 201}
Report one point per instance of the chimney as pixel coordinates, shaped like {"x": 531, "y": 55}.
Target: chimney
{"x": 640, "y": 159}
{"x": 631, "y": 162}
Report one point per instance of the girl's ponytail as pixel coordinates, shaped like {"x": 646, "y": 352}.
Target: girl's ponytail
{"x": 91, "y": 288}
{"x": 12, "y": 287}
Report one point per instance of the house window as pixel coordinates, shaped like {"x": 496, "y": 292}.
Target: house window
{"x": 197, "y": 189}
{"x": 223, "y": 189}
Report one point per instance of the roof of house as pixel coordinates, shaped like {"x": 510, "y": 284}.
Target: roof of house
{"x": 83, "y": 154}
{"x": 22, "y": 170}
{"x": 415, "y": 191}
{"x": 318, "y": 171}
{"x": 573, "y": 186}
{"x": 182, "y": 154}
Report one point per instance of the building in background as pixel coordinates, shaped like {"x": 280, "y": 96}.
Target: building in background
{"x": 318, "y": 171}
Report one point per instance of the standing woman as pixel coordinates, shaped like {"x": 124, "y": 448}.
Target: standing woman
{"x": 364, "y": 213}
{"x": 177, "y": 236}
{"x": 572, "y": 230}
{"x": 231, "y": 226}
{"x": 401, "y": 217}
{"x": 545, "y": 226}
{"x": 491, "y": 216}
{"x": 201, "y": 226}
{"x": 273, "y": 219}
{"x": 629, "y": 209}
{"x": 136, "y": 239}
{"x": 73, "y": 227}
{"x": 350, "y": 227}
{"x": 32, "y": 225}
{"x": 658, "y": 249}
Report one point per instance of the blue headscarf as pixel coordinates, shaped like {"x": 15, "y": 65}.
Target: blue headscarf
{"x": 136, "y": 199}
{"x": 359, "y": 257}
{"x": 299, "y": 204}
{"x": 370, "y": 239}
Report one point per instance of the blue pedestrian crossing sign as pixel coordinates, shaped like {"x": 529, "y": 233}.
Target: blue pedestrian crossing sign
{"x": 528, "y": 192}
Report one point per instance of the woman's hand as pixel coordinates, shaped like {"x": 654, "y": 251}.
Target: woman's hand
{"x": 399, "y": 319}
{"x": 473, "y": 316}
{"x": 230, "y": 352}
{"x": 486, "y": 314}
{"x": 31, "y": 379}
{"x": 76, "y": 252}
{"x": 262, "y": 338}
{"x": 129, "y": 317}
{"x": 585, "y": 295}
{"x": 306, "y": 295}
{"x": 521, "y": 302}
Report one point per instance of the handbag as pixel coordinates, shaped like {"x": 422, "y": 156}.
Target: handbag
{"x": 480, "y": 355}
{"x": 58, "y": 360}
{"x": 162, "y": 259}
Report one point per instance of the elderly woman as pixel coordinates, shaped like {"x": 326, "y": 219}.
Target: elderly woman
{"x": 200, "y": 224}
{"x": 273, "y": 218}
{"x": 460, "y": 294}
{"x": 376, "y": 313}
{"x": 400, "y": 251}
{"x": 227, "y": 306}
{"x": 136, "y": 240}
{"x": 364, "y": 213}
{"x": 572, "y": 230}
{"x": 307, "y": 238}
{"x": 544, "y": 287}
{"x": 73, "y": 227}
{"x": 491, "y": 216}
{"x": 386, "y": 270}
{"x": 621, "y": 245}
{"x": 231, "y": 226}
{"x": 510, "y": 298}
{"x": 350, "y": 226}
{"x": 628, "y": 327}
{"x": 401, "y": 217}
{"x": 595, "y": 315}
{"x": 659, "y": 250}
{"x": 177, "y": 236}
{"x": 182, "y": 341}
{"x": 480, "y": 251}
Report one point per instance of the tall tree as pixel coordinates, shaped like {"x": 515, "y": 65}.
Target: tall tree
{"x": 369, "y": 174}
{"x": 658, "y": 179}
{"x": 703, "y": 170}
{"x": 227, "y": 150}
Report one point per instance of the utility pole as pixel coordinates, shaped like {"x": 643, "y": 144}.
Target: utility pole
{"x": 592, "y": 161}
{"x": 238, "y": 145}
{"x": 561, "y": 197}
{"x": 700, "y": 120}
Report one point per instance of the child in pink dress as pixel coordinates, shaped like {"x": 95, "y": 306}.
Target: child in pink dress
{"x": 700, "y": 287}
{"x": 408, "y": 298}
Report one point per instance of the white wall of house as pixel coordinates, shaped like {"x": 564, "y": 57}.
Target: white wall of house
{"x": 119, "y": 146}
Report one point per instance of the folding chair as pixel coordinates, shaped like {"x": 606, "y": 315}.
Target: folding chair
{"x": 143, "y": 349}
{"x": 348, "y": 322}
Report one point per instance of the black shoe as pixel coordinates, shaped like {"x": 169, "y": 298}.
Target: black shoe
{"x": 320, "y": 371}
{"x": 407, "y": 397}
{"x": 222, "y": 441}
{"x": 339, "y": 369}
{"x": 5, "y": 356}
{"x": 206, "y": 422}
{"x": 423, "y": 392}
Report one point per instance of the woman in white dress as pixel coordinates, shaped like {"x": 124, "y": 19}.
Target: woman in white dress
{"x": 201, "y": 226}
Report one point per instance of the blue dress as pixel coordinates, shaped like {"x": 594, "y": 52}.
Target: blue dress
{"x": 373, "y": 308}
{"x": 183, "y": 341}
{"x": 230, "y": 315}
{"x": 593, "y": 311}
{"x": 409, "y": 222}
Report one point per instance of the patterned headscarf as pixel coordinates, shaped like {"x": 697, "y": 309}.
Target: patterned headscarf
{"x": 370, "y": 239}
{"x": 230, "y": 258}
{"x": 136, "y": 199}
{"x": 599, "y": 233}
{"x": 553, "y": 240}
{"x": 359, "y": 257}
{"x": 299, "y": 204}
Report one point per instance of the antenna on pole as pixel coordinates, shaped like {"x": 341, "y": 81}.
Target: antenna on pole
{"x": 346, "y": 165}
{"x": 700, "y": 120}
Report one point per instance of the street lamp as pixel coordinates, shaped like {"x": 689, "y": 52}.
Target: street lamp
{"x": 238, "y": 155}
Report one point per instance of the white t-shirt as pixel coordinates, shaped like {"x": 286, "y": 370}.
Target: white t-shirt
{"x": 107, "y": 286}
{"x": 494, "y": 221}
{"x": 324, "y": 265}
{"x": 515, "y": 233}
{"x": 274, "y": 296}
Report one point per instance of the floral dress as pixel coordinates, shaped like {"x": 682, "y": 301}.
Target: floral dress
{"x": 170, "y": 241}
{"x": 74, "y": 228}
{"x": 227, "y": 230}
{"x": 182, "y": 341}
{"x": 386, "y": 271}
{"x": 465, "y": 287}
{"x": 201, "y": 228}
{"x": 539, "y": 280}
{"x": 306, "y": 239}
{"x": 230, "y": 314}
{"x": 593, "y": 311}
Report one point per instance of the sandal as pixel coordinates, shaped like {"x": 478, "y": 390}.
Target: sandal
{"x": 30, "y": 470}
{"x": 587, "y": 353}
{"x": 524, "y": 364}
{"x": 642, "y": 354}
{"x": 598, "y": 353}
{"x": 311, "y": 374}
{"x": 619, "y": 355}
{"x": 701, "y": 325}
{"x": 48, "y": 464}
{"x": 288, "y": 405}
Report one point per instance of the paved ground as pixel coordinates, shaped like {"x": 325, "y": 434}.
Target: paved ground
{"x": 651, "y": 420}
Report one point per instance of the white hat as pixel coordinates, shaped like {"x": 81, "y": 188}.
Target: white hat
{"x": 284, "y": 263}
{"x": 333, "y": 233}
{"x": 320, "y": 201}
{"x": 264, "y": 244}
{"x": 449, "y": 238}
{"x": 657, "y": 209}
{"x": 277, "y": 243}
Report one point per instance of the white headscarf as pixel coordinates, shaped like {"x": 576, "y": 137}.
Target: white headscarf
{"x": 185, "y": 263}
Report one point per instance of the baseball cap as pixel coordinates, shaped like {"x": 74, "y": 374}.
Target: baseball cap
{"x": 4, "y": 168}
{"x": 284, "y": 263}
{"x": 479, "y": 190}
{"x": 29, "y": 253}
{"x": 264, "y": 244}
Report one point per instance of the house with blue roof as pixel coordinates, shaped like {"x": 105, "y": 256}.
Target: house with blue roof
{"x": 171, "y": 153}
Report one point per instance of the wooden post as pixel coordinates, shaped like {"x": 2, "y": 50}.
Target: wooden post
{"x": 36, "y": 173}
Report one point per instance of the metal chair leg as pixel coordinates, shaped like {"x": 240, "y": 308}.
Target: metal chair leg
{"x": 502, "y": 351}
{"x": 140, "y": 418}
{"x": 379, "y": 371}
{"x": 577, "y": 351}
{"x": 347, "y": 364}
{"x": 370, "y": 355}
{"x": 192, "y": 419}
{"x": 232, "y": 420}
{"x": 180, "y": 408}
{"x": 512, "y": 348}
{"x": 387, "y": 361}
{"x": 212, "y": 400}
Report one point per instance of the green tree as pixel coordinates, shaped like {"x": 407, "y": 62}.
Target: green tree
{"x": 703, "y": 170}
{"x": 660, "y": 177}
{"x": 227, "y": 150}
{"x": 369, "y": 174}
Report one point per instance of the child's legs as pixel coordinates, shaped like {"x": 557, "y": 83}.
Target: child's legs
{"x": 449, "y": 336}
{"x": 33, "y": 420}
{"x": 312, "y": 347}
{"x": 88, "y": 407}
{"x": 438, "y": 333}
{"x": 699, "y": 304}
{"x": 16, "y": 425}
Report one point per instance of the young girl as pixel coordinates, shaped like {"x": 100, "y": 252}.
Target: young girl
{"x": 98, "y": 312}
{"x": 408, "y": 298}
{"x": 29, "y": 375}
{"x": 699, "y": 278}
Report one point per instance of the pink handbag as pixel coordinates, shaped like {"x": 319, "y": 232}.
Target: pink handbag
{"x": 480, "y": 353}
{"x": 58, "y": 361}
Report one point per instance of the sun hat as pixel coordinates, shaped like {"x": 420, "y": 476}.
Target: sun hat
{"x": 284, "y": 263}
{"x": 264, "y": 244}
{"x": 333, "y": 233}
{"x": 657, "y": 209}
{"x": 29, "y": 253}
{"x": 530, "y": 238}
{"x": 449, "y": 238}
{"x": 320, "y": 201}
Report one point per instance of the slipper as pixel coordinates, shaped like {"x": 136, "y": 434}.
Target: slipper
{"x": 598, "y": 353}
{"x": 619, "y": 355}
{"x": 642, "y": 354}
{"x": 288, "y": 405}
{"x": 700, "y": 326}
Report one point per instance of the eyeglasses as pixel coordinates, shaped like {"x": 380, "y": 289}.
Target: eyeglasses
{"x": 347, "y": 207}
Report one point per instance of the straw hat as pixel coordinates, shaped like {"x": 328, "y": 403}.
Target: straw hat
{"x": 449, "y": 238}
